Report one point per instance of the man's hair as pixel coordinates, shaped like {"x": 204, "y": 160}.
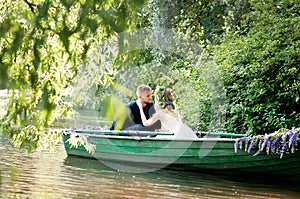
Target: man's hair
{"x": 141, "y": 89}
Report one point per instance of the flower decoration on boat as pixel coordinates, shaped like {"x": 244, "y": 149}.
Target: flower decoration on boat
{"x": 81, "y": 140}
{"x": 281, "y": 142}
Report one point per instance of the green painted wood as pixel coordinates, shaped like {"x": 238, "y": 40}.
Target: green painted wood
{"x": 131, "y": 133}
{"x": 151, "y": 133}
{"x": 202, "y": 153}
{"x": 220, "y": 134}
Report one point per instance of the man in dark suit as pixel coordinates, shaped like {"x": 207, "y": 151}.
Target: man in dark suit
{"x": 133, "y": 120}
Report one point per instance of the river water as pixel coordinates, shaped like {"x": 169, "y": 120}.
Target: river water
{"x": 54, "y": 175}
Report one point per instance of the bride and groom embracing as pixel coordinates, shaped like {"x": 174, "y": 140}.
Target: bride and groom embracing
{"x": 144, "y": 115}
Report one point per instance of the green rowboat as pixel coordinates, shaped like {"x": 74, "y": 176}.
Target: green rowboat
{"x": 147, "y": 151}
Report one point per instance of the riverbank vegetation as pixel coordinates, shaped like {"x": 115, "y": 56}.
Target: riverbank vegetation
{"x": 233, "y": 65}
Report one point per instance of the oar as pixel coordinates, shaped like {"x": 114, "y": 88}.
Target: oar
{"x": 124, "y": 133}
{"x": 151, "y": 133}
{"x": 220, "y": 134}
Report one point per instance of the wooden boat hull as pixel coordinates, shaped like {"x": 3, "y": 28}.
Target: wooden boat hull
{"x": 202, "y": 154}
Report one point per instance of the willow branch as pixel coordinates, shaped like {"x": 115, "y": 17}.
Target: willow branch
{"x": 31, "y": 5}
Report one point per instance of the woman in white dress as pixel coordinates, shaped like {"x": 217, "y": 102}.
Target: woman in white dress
{"x": 168, "y": 116}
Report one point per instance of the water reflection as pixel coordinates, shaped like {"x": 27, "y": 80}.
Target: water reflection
{"x": 170, "y": 184}
{"x": 46, "y": 175}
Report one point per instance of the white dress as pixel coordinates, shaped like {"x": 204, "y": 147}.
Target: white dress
{"x": 170, "y": 121}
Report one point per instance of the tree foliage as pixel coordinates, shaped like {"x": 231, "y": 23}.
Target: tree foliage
{"x": 260, "y": 68}
{"x": 42, "y": 43}
{"x": 51, "y": 51}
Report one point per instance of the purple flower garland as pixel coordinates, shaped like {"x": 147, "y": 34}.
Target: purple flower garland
{"x": 280, "y": 142}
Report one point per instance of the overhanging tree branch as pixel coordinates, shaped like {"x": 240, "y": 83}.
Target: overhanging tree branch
{"x": 31, "y": 5}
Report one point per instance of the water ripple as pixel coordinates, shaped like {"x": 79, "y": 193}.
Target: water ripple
{"x": 53, "y": 175}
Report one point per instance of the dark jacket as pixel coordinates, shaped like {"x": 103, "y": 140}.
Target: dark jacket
{"x": 133, "y": 117}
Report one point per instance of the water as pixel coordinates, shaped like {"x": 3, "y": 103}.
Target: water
{"x": 54, "y": 175}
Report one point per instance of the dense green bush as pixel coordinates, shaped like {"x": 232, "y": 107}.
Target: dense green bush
{"x": 260, "y": 67}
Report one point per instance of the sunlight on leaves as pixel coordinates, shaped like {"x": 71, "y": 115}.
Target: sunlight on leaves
{"x": 80, "y": 140}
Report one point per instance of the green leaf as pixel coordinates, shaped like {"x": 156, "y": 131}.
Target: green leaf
{"x": 92, "y": 24}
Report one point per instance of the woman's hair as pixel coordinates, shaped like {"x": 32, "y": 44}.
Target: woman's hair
{"x": 167, "y": 94}
{"x": 165, "y": 97}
